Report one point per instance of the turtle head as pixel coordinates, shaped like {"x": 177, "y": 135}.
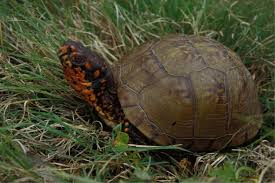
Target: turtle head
{"x": 84, "y": 70}
{"x": 82, "y": 65}
{"x": 73, "y": 54}
{"x": 87, "y": 73}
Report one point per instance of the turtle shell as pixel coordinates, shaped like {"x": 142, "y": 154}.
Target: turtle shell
{"x": 188, "y": 90}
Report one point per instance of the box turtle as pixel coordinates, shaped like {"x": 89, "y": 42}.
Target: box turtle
{"x": 177, "y": 89}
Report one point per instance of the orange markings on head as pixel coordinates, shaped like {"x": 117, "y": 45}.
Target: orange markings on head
{"x": 74, "y": 54}
{"x": 97, "y": 108}
{"x": 65, "y": 57}
{"x": 88, "y": 65}
{"x": 78, "y": 87}
{"x": 97, "y": 73}
{"x": 68, "y": 73}
{"x": 63, "y": 50}
{"x": 78, "y": 69}
{"x": 101, "y": 113}
{"x": 92, "y": 97}
{"x": 110, "y": 118}
{"x": 80, "y": 74}
{"x": 69, "y": 79}
{"x": 86, "y": 92}
{"x": 126, "y": 130}
{"x": 87, "y": 84}
{"x": 67, "y": 63}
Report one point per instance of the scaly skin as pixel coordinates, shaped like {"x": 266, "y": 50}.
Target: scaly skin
{"x": 88, "y": 74}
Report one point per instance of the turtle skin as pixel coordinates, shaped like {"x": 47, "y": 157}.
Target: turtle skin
{"x": 89, "y": 76}
{"x": 178, "y": 89}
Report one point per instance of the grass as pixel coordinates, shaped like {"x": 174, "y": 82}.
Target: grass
{"x": 47, "y": 134}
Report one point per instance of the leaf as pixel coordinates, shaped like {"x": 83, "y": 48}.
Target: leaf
{"x": 120, "y": 143}
{"x": 225, "y": 174}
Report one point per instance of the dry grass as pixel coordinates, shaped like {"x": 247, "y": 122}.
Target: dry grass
{"x": 47, "y": 134}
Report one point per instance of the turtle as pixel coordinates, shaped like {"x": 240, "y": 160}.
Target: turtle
{"x": 177, "y": 89}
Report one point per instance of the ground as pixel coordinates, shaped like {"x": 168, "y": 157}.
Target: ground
{"x": 48, "y": 134}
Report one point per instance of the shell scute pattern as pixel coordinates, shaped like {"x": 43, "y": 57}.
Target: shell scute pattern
{"x": 163, "y": 105}
{"x": 196, "y": 84}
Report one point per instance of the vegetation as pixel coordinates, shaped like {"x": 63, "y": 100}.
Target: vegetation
{"x": 47, "y": 134}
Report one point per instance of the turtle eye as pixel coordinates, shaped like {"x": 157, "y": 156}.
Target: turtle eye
{"x": 78, "y": 59}
{"x": 68, "y": 63}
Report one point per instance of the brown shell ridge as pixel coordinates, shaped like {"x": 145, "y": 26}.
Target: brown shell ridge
{"x": 188, "y": 40}
{"x": 140, "y": 105}
{"x": 146, "y": 115}
{"x": 154, "y": 130}
{"x": 190, "y": 82}
{"x": 189, "y": 90}
{"x": 194, "y": 105}
{"x": 120, "y": 65}
{"x": 229, "y": 103}
{"x": 158, "y": 61}
{"x": 228, "y": 95}
{"x": 194, "y": 99}
{"x": 164, "y": 69}
{"x": 137, "y": 93}
{"x": 161, "y": 67}
{"x": 211, "y": 138}
{"x": 153, "y": 44}
{"x": 194, "y": 109}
